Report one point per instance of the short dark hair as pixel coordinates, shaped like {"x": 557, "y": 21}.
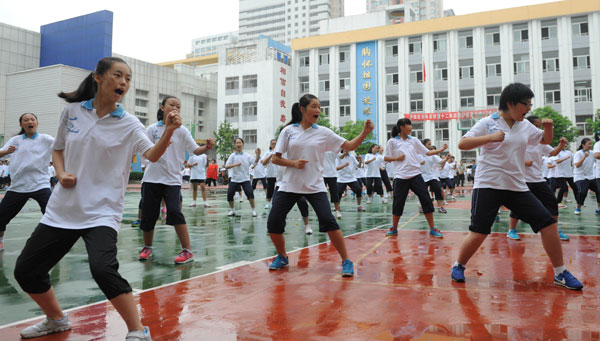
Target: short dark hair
{"x": 402, "y": 122}
{"x": 532, "y": 118}
{"x": 513, "y": 94}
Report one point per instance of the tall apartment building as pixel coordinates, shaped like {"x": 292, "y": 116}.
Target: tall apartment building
{"x": 206, "y": 46}
{"x": 445, "y": 79}
{"x": 284, "y": 20}
{"x": 425, "y": 9}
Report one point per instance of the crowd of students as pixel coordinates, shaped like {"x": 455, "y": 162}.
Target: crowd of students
{"x": 97, "y": 137}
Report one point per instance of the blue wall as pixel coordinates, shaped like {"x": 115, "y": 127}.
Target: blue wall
{"x": 367, "y": 106}
{"x": 80, "y": 41}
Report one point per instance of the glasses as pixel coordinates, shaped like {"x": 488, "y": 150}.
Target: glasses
{"x": 527, "y": 104}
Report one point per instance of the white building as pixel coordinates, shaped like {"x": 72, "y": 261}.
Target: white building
{"x": 439, "y": 70}
{"x": 206, "y": 46}
{"x": 284, "y": 20}
{"x": 255, "y": 89}
{"x": 424, "y": 9}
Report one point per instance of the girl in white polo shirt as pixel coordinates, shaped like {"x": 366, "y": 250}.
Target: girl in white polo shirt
{"x": 503, "y": 138}
{"x": 92, "y": 157}
{"x": 259, "y": 173}
{"x": 564, "y": 175}
{"x": 404, "y": 150}
{"x": 330, "y": 175}
{"x": 596, "y": 154}
{"x": 345, "y": 165}
{"x": 271, "y": 172}
{"x": 238, "y": 164}
{"x": 430, "y": 164}
{"x": 583, "y": 173}
{"x": 360, "y": 172}
{"x": 373, "y": 162}
{"x": 30, "y": 154}
{"x": 162, "y": 181}
{"x": 305, "y": 144}
{"x": 198, "y": 164}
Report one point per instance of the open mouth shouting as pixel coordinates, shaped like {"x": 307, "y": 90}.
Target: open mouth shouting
{"x": 119, "y": 92}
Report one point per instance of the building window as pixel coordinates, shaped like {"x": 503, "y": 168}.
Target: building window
{"x": 324, "y": 59}
{"x": 324, "y": 85}
{"x": 493, "y": 70}
{"x": 416, "y": 102}
{"x": 249, "y": 111}
{"x": 344, "y": 83}
{"x": 493, "y": 100}
{"x": 232, "y": 83}
{"x": 304, "y": 88}
{"x": 325, "y": 111}
{"x": 391, "y": 79}
{"x": 392, "y": 107}
{"x": 467, "y": 101}
{"x": 416, "y": 76}
{"x": 249, "y": 136}
{"x": 249, "y": 81}
{"x": 549, "y": 31}
{"x": 521, "y": 35}
{"x": 521, "y": 64}
{"x": 442, "y": 132}
{"x": 466, "y": 72}
{"x": 439, "y": 43}
{"x": 492, "y": 38}
{"x": 582, "y": 126}
{"x": 231, "y": 112}
{"x": 414, "y": 48}
{"x": 550, "y": 64}
{"x": 440, "y": 72}
{"x": 583, "y": 91}
{"x": 580, "y": 29}
{"x": 391, "y": 50}
{"x": 141, "y": 103}
{"x": 441, "y": 100}
{"x": 465, "y": 42}
{"x": 305, "y": 61}
{"x": 344, "y": 56}
{"x": 344, "y": 109}
{"x": 417, "y": 130}
{"x": 581, "y": 62}
{"x": 552, "y": 96}
{"x": 141, "y": 93}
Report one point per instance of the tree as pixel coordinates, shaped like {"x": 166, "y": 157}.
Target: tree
{"x": 224, "y": 140}
{"x": 563, "y": 127}
{"x": 352, "y": 129}
{"x": 325, "y": 122}
{"x": 594, "y": 125}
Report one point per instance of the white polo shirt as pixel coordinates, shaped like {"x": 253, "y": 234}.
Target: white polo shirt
{"x": 98, "y": 152}
{"x": 597, "y": 161}
{"x": 346, "y": 174}
{"x": 199, "y": 170}
{"x": 167, "y": 170}
{"x": 360, "y": 172}
{"x": 534, "y": 173}
{"x": 271, "y": 168}
{"x": 240, "y": 173}
{"x": 432, "y": 163}
{"x": 51, "y": 171}
{"x": 311, "y": 145}
{"x": 551, "y": 171}
{"x": 586, "y": 171}
{"x": 544, "y": 166}
{"x": 259, "y": 171}
{"x": 446, "y": 172}
{"x": 329, "y": 165}
{"x": 373, "y": 167}
{"x": 411, "y": 148}
{"x": 565, "y": 168}
{"x": 29, "y": 162}
{"x": 500, "y": 164}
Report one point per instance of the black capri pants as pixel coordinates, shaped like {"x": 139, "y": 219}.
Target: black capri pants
{"x": 561, "y": 183}
{"x": 374, "y": 184}
{"x": 333, "y": 190}
{"x": 152, "y": 195}
{"x": 434, "y": 186}
{"x": 48, "y": 245}
{"x": 256, "y": 180}
{"x": 354, "y": 186}
{"x": 583, "y": 186}
{"x": 235, "y": 186}
{"x": 271, "y": 187}
{"x": 302, "y": 205}
{"x": 386, "y": 180}
{"x": 13, "y": 202}
{"x": 544, "y": 194}
{"x": 418, "y": 186}
{"x": 283, "y": 203}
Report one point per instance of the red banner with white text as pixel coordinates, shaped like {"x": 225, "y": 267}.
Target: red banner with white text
{"x": 450, "y": 115}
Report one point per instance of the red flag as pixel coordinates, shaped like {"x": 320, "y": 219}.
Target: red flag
{"x": 424, "y": 75}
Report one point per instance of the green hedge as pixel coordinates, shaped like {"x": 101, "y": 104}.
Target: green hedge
{"x": 136, "y": 176}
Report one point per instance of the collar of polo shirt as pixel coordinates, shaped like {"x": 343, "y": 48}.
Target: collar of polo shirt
{"x": 314, "y": 125}
{"x": 495, "y": 115}
{"x": 408, "y": 137}
{"x": 160, "y": 123}
{"x": 32, "y": 137}
{"x": 236, "y": 153}
{"x": 119, "y": 112}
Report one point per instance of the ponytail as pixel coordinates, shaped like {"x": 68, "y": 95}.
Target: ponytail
{"x": 394, "y": 131}
{"x": 88, "y": 87}
{"x": 304, "y": 101}
{"x": 583, "y": 142}
{"x": 160, "y": 114}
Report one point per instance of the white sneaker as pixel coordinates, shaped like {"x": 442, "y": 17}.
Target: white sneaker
{"x": 384, "y": 200}
{"x": 46, "y": 327}
{"x": 139, "y": 335}
{"x": 369, "y": 200}
{"x": 338, "y": 214}
{"x": 267, "y": 206}
{"x": 206, "y": 204}
{"x": 307, "y": 229}
{"x": 193, "y": 204}
{"x": 231, "y": 213}
{"x": 445, "y": 202}
{"x": 253, "y": 213}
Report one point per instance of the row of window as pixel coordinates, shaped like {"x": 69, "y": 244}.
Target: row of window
{"x": 248, "y": 82}
{"x": 249, "y": 111}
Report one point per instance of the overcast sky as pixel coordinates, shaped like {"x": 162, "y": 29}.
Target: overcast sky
{"x": 162, "y": 32}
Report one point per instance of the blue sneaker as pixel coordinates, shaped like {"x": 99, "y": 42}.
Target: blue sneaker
{"x": 562, "y": 236}
{"x": 577, "y": 211}
{"x": 497, "y": 218}
{"x": 347, "y": 268}
{"x": 436, "y": 233}
{"x": 136, "y": 223}
{"x": 512, "y": 234}
{"x": 279, "y": 262}
{"x": 597, "y": 211}
{"x": 458, "y": 273}
{"x": 392, "y": 232}
{"x": 567, "y": 280}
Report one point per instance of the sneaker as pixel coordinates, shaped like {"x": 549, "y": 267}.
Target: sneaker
{"x": 338, "y": 215}
{"x": 434, "y": 232}
{"x": 384, "y": 200}
{"x": 139, "y": 335}
{"x": 442, "y": 210}
{"x": 185, "y": 256}
{"x": 454, "y": 197}
{"x": 369, "y": 201}
{"x": 577, "y": 211}
{"x": 392, "y": 232}
{"x": 347, "y": 268}
{"x": 307, "y": 229}
{"x": 254, "y": 213}
{"x": 421, "y": 210}
{"x": 46, "y": 327}
{"x": 191, "y": 205}
{"x": 512, "y": 234}
{"x": 567, "y": 200}
{"x": 567, "y": 280}
{"x": 279, "y": 262}
{"x": 445, "y": 202}
{"x": 267, "y": 206}
{"x": 458, "y": 273}
{"x": 206, "y": 204}
{"x": 597, "y": 211}
{"x": 164, "y": 210}
{"x": 561, "y": 205}
{"x": 360, "y": 208}
{"x": 145, "y": 254}
{"x": 231, "y": 213}
{"x": 562, "y": 236}
{"x": 136, "y": 223}
{"x": 497, "y": 218}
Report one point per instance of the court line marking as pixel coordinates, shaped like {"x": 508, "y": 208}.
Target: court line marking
{"x": 136, "y": 292}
